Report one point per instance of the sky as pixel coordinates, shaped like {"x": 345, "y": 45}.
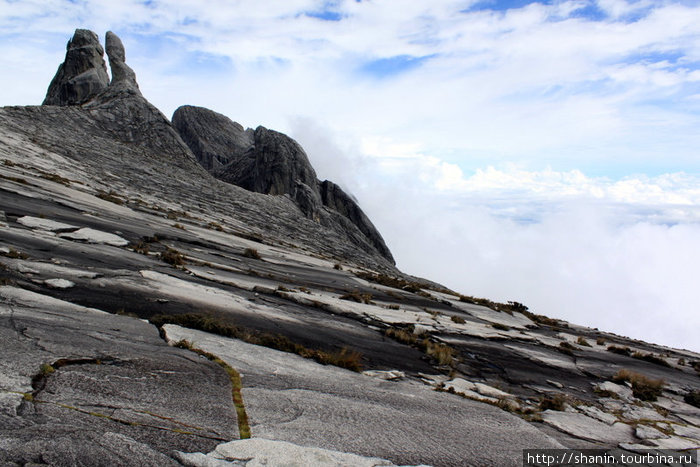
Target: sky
{"x": 546, "y": 152}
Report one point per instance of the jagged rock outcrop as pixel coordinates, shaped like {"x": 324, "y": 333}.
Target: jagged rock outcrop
{"x": 124, "y": 137}
{"x": 260, "y": 160}
{"x": 82, "y": 75}
{"x": 122, "y": 74}
{"x": 335, "y": 198}
{"x": 215, "y": 139}
{"x": 269, "y": 162}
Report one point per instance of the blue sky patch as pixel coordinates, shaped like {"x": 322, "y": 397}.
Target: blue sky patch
{"x": 327, "y": 12}
{"x": 501, "y": 5}
{"x": 391, "y": 66}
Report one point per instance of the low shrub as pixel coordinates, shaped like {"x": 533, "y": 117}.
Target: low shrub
{"x": 251, "y": 253}
{"x": 693, "y": 398}
{"x": 172, "y": 257}
{"x": 600, "y": 341}
{"x": 582, "y": 341}
{"x": 500, "y": 326}
{"x": 458, "y": 319}
{"x": 643, "y": 387}
{"x": 356, "y": 296}
{"x": 651, "y": 358}
{"x": 620, "y": 350}
{"x": 553, "y": 402}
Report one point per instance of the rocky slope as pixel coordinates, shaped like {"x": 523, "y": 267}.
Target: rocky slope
{"x": 151, "y": 314}
{"x": 266, "y": 161}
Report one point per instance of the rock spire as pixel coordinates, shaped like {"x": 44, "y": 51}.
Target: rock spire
{"x": 83, "y": 73}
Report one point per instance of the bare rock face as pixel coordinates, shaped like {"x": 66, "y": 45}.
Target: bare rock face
{"x": 122, "y": 74}
{"x": 335, "y": 198}
{"x": 82, "y": 75}
{"x": 260, "y": 160}
{"x": 214, "y": 138}
{"x": 270, "y": 162}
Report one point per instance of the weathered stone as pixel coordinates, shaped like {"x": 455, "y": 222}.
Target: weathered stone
{"x": 633, "y": 412}
{"x": 269, "y": 162}
{"x": 122, "y": 74}
{"x": 623, "y": 392}
{"x": 215, "y": 139}
{"x": 648, "y": 432}
{"x": 597, "y": 414}
{"x": 335, "y": 198}
{"x": 585, "y": 427}
{"x": 83, "y": 73}
{"x": 261, "y": 452}
{"x": 687, "y": 431}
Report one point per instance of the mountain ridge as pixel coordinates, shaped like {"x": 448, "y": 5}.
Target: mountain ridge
{"x": 152, "y": 314}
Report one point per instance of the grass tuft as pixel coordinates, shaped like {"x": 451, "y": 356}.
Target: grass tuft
{"x": 643, "y": 387}
{"x": 172, "y": 257}
{"x": 356, "y": 296}
{"x": 651, "y": 358}
{"x": 620, "y": 350}
{"x": 553, "y": 402}
{"x": 251, "y": 253}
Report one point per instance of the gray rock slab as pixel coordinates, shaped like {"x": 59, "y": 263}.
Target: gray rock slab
{"x": 117, "y": 393}
{"x": 292, "y": 399}
{"x": 687, "y": 431}
{"x": 623, "y": 392}
{"x": 598, "y": 414}
{"x": 588, "y": 428}
{"x": 633, "y": 412}
{"x": 260, "y": 452}
{"x": 648, "y": 432}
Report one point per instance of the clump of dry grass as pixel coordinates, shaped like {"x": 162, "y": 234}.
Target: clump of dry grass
{"x": 172, "y": 257}
{"x": 643, "y": 387}
{"x": 553, "y": 402}
{"x": 356, "y": 296}
{"x": 620, "y": 350}
{"x": 251, "y": 253}
{"x": 110, "y": 196}
{"x": 442, "y": 353}
{"x": 651, "y": 358}
{"x": 582, "y": 341}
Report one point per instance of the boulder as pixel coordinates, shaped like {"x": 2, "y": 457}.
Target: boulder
{"x": 83, "y": 73}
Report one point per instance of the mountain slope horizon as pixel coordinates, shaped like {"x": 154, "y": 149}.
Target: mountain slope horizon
{"x": 154, "y": 314}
